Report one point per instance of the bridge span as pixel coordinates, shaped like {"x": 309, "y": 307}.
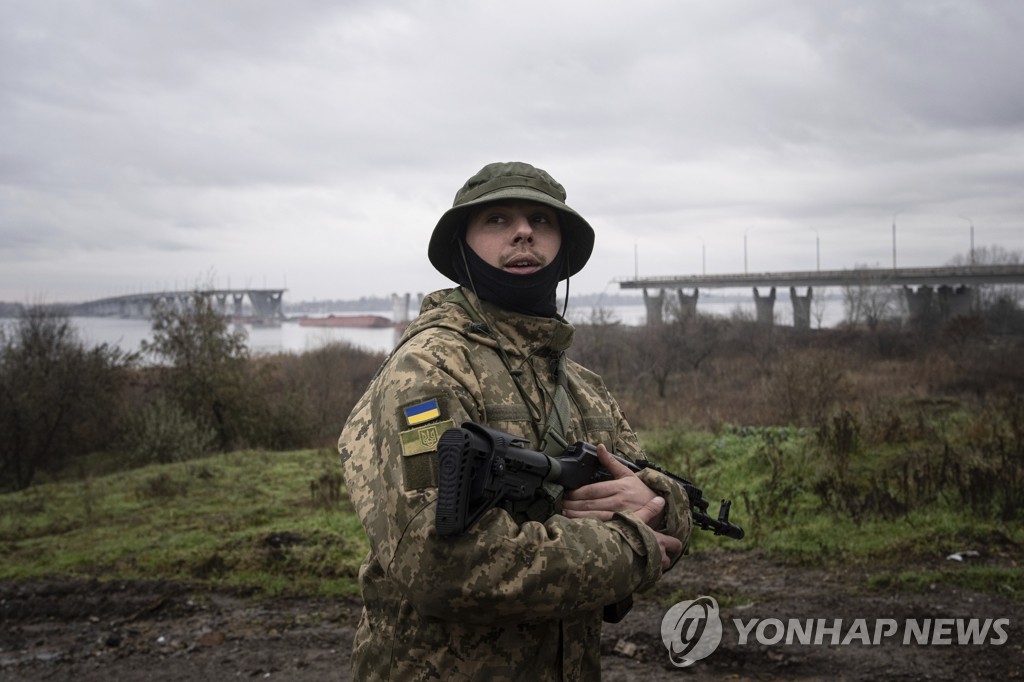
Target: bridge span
{"x": 264, "y": 304}
{"x": 951, "y": 298}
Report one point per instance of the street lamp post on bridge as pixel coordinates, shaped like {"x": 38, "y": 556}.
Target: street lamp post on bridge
{"x": 972, "y": 238}
{"x": 817, "y": 248}
{"x": 894, "y": 237}
{"x": 745, "y": 248}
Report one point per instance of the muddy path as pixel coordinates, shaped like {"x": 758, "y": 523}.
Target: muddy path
{"x": 88, "y": 632}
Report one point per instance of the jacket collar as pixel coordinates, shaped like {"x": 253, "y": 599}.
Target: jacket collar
{"x": 522, "y": 334}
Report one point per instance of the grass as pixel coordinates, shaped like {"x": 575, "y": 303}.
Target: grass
{"x": 245, "y": 519}
{"x": 994, "y": 579}
{"x": 778, "y": 480}
{"x": 249, "y": 519}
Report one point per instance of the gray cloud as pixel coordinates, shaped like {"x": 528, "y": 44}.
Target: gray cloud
{"x": 317, "y": 143}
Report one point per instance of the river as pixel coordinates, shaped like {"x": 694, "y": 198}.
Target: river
{"x": 290, "y": 337}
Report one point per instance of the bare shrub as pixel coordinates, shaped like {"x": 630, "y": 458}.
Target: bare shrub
{"x": 808, "y": 385}
{"x": 984, "y": 363}
{"x": 162, "y": 432}
{"x": 58, "y": 398}
{"x": 319, "y": 388}
{"x": 604, "y": 342}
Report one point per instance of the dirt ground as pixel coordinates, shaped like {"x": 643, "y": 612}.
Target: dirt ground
{"x": 157, "y": 632}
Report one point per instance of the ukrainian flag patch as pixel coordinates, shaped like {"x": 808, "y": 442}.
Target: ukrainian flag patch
{"x": 422, "y": 412}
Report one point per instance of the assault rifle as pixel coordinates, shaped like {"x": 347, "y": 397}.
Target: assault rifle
{"x": 480, "y": 468}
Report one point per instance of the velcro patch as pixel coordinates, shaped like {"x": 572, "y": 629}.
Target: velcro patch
{"x": 424, "y": 438}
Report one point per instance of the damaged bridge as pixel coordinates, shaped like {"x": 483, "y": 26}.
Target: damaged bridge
{"x": 264, "y": 305}
{"x": 942, "y": 291}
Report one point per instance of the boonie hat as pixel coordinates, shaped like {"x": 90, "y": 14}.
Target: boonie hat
{"x": 515, "y": 180}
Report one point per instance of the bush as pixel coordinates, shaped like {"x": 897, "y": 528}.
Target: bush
{"x": 162, "y": 432}
{"x": 207, "y": 369}
{"x": 310, "y": 395}
{"x": 58, "y": 399}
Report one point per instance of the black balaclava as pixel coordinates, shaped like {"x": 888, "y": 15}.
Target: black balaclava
{"x": 532, "y": 294}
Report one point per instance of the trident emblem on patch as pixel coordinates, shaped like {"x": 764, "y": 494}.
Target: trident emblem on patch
{"x": 429, "y": 438}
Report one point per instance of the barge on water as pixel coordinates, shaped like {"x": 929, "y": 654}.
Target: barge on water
{"x": 357, "y": 321}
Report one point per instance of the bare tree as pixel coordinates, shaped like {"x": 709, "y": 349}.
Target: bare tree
{"x": 867, "y": 301}
{"x": 992, "y": 295}
{"x": 818, "y": 308}
{"x": 207, "y": 369}
{"x": 57, "y": 397}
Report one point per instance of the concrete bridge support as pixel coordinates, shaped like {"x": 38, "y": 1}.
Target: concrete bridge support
{"x": 399, "y": 308}
{"x": 266, "y": 304}
{"x": 655, "y": 306}
{"x": 954, "y": 302}
{"x": 920, "y": 303}
{"x": 801, "y": 309}
{"x": 687, "y": 304}
{"x": 141, "y": 308}
{"x": 765, "y": 306}
{"x": 928, "y": 305}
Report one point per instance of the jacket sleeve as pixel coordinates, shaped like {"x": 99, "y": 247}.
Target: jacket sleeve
{"x": 678, "y": 521}
{"x": 498, "y": 570}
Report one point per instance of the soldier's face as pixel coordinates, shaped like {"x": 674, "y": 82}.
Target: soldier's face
{"x": 520, "y": 237}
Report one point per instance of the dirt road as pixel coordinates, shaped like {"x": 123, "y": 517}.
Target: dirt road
{"x": 88, "y": 632}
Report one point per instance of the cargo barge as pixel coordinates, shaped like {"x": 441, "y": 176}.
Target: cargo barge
{"x": 356, "y": 321}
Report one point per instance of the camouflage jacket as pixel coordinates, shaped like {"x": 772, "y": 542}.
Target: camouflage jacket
{"x": 504, "y": 601}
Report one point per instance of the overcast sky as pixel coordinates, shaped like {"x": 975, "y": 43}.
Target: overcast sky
{"x": 313, "y": 145}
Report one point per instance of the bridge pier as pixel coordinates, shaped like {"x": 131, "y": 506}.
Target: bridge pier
{"x": 400, "y": 308}
{"x": 954, "y": 302}
{"x": 928, "y": 305}
{"x": 765, "y": 306}
{"x": 266, "y": 304}
{"x": 140, "y": 308}
{"x": 801, "y": 309}
{"x": 687, "y": 304}
{"x": 920, "y": 303}
{"x": 655, "y": 306}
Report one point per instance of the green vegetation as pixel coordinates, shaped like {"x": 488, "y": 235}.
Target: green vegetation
{"x": 828, "y": 496}
{"x": 279, "y": 522}
{"x": 873, "y": 448}
{"x": 275, "y": 522}
{"x": 62, "y": 403}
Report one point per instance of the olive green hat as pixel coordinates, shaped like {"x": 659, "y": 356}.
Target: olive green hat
{"x": 497, "y": 181}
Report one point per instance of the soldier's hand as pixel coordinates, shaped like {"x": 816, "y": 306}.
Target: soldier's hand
{"x": 624, "y": 492}
{"x": 670, "y": 547}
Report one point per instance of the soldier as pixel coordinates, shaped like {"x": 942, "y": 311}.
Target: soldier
{"x": 508, "y": 600}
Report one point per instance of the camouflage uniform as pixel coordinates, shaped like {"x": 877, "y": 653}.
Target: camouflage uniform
{"x": 504, "y": 601}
